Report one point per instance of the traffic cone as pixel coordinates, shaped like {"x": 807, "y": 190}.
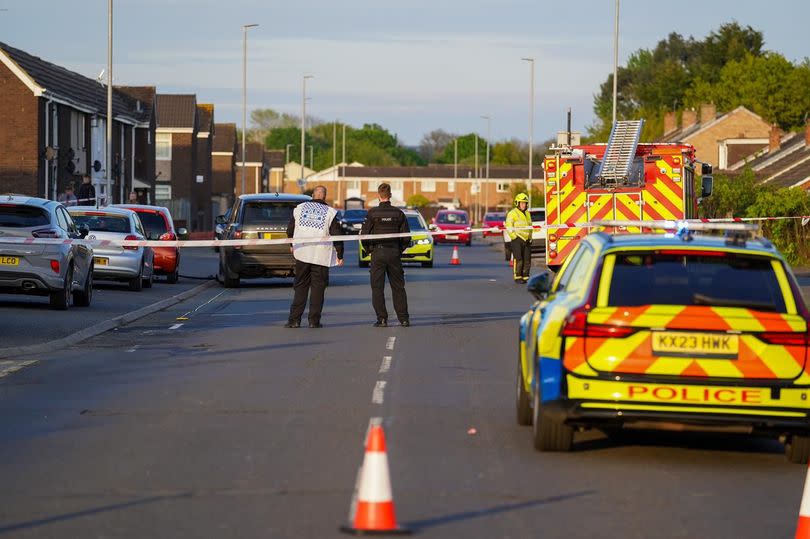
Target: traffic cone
{"x": 511, "y": 261}
{"x": 373, "y": 508}
{"x": 455, "y": 260}
{"x": 803, "y": 527}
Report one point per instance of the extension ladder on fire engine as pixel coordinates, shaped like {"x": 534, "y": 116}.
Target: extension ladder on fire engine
{"x": 620, "y": 152}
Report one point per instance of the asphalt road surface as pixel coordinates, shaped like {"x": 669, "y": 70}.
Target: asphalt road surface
{"x": 229, "y": 425}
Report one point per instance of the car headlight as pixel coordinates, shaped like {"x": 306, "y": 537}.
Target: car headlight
{"x": 423, "y": 241}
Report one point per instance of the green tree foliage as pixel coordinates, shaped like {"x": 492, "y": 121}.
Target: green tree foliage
{"x": 417, "y": 200}
{"x": 538, "y": 197}
{"x": 656, "y": 80}
{"x": 434, "y": 143}
{"x": 466, "y": 151}
{"x": 731, "y": 197}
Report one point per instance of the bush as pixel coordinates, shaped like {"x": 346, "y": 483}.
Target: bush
{"x": 417, "y": 201}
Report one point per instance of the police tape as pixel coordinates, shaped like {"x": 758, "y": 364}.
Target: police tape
{"x": 673, "y": 225}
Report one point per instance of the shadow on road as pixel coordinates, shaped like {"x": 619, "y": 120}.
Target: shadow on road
{"x": 495, "y": 510}
{"x": 699, "y": 441}
{"x": 88, "y": 512}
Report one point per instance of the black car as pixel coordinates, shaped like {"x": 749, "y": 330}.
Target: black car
{"x": 352, "y": 220}
{"x": 260, "y": 216}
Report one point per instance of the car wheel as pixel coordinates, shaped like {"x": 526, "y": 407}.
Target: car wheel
{"x": 60, "y": 299}
{"x": 228, "y": 280}
{"x": 549, "y": 434}
{"x": 427, "y": 264}
{"x": 82, "y": 298}
{"x": 468, "y": 242}
{"x": 136, "y": 283}
{"x": 797, "y": 449}
{"x": 523, "y": 399}
{"x": 173, "y": 277}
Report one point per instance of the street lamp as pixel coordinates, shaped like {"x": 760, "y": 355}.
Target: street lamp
{"x": 245, "y": 28}
{"x": 486, "y": 181}
{"x": 615, "y": 57}
{"x": 108, "y": 168}
{"x": 303, "y": 125}
{"x": 531, "y": 128}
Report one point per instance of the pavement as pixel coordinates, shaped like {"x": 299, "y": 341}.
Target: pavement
{"x": 225, "y": 424}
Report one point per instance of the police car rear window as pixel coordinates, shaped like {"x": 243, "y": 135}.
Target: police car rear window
{"x": 714, "y": 278}
{"x": 19, "y": 216}
{"x": 267, "y": 213}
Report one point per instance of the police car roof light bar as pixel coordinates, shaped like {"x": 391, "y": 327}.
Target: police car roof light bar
{"x": 675, "y": 226}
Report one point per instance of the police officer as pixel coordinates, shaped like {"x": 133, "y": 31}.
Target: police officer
{"x": 313, "y": 219}
{"x": 518, "y": 226}
{"x": 385, "y": 257}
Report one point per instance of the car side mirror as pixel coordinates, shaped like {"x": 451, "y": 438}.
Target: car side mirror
{"x": 84, "y": 231}
{"x": 539, "y": 286}
{"x": 221, "y": 219}
{"x": 182, "y": 233}
{"x": 707, "y": 185}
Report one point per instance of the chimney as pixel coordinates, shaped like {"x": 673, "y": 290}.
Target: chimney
{"x": 708, "y": 111}
{"x": 670, "y": 122}
{"x": 774, "y": 139}
{"x": 688, "y": 118}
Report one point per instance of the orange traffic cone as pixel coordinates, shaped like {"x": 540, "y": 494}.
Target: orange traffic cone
{"x": 455, "y": 260}
{"x": 803, "y": 527}
{"x": 373, "y": 507}
{"x": 512, "y": 261}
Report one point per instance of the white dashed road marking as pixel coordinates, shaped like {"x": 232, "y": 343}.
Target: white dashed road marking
{"x": 385, "y": 366}
{"x": 390, "y": 344}
{"x": 176, "y": 326}
{"x": 9, "y": 367}
{"x": 133, "y": 349}
{"x": 378, "y": 396}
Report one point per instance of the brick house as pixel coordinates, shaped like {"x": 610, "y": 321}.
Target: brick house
{"x": 53, "y": 129}
{"x": 176, "y": 154}
{"x": 274, "y": 160}
{"x": 223, "y": 167}
{"x": 143, "y": 180}
{"x": 201, "y": 205}
{"x": 255, "y": 168}
{"x": 787, "y": 161}
{"x": 721, "y": 140}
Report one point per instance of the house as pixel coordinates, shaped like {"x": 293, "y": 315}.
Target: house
{"x": 275, "y": 176}
{"x": 143, "y": 179}
{"x": 53, "y": 129}
{"x": 721, "y": 140}
{"x": 250, "y": 175}
{"x": 201, "y": 203}
{"x": 223, "y": 167}
{"x": 176, "y": 155}
{"x": 787, "y": 162}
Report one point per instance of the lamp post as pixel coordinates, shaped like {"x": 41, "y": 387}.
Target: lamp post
{"x": 245, "y": 28}
{"x": 615, "y": 57}
{"x": 531, "y": 128}
{"x": 303, "y": 125}
{"x": 108, "y": 188}
{"x": 486, "y": 176}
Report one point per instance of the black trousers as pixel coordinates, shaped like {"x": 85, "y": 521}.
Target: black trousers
{"x": 523, "y": 257}
{"x": 310, "y": 280}
{"x": 386, "y": 261}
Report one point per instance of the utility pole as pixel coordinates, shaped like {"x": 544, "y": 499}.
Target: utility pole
{"x": 477, "y": 182}
{"x": 486, "y": 180}
{"x": 303, "y": 127}
{"x": 615, "y": 58}
{"x": 108, "y": 188}
{"x": 531, "y": 128}
{"x": 245, "y": 28}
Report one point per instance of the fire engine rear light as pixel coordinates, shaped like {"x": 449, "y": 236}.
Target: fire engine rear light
{"x": 552, "y": 254}
{"x": 552, "y": 237}
{"x": 45, "y": 233}
{"x": 131, "y": 237}
{"x": 55, "y": 266}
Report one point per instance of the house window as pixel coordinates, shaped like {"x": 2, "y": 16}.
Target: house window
{"x": 428, "y": 186}
{"x": 503, "y": 187}
{"x": 353, "y": 184}
{"x": 451, "y": 186}
{"x": 163, "y": 146}
{"x": 372, "y": 186}
{"x": 77, "y": 130}
{"x": 163, "y": 192}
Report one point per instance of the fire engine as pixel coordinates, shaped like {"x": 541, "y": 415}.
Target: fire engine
{"x": 623, "y": 180}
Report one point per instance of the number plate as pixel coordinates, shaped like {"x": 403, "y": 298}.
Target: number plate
{"x": 273, "y": 235}
{"x": 9, "y": 261}
{"x": 101, "y": 261}
{"x": 451, "y": 236}
{"x": 673, "y": 343}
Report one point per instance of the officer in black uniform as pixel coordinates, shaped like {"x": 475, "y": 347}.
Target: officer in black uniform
{"x": 385, "y": 257}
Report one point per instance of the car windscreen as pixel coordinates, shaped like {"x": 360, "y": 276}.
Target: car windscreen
{"x": 711, "y": 278}
{"x": 496, "y": 217}
{"x": 153, "y": 223}
{"x": 19, "y": 216}
{"x": 103, "y": 223}
{"x": 414, "y": 223}
{"x": 452, "y": 218}
{"x": 538, "y": 215}
{"x": 355, "y": 214}
{"x": 258, "y": 213}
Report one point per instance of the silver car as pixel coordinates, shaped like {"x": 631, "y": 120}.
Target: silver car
{"x": 60, "y": 271}
{"x": 135, "y": 265}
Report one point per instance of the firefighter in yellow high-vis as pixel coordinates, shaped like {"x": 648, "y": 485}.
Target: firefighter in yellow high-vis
{"x": 518, "y": 226}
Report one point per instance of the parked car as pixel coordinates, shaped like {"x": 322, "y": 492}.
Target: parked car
{"x": 158, "y": 223}
{"x": 538, "y": 234}
{"x": 258, "y": 216}
{"x": 61, "y": 272}
{"x": 420, "y": 248}
{"x": 494, "y": 220}
{"x": 134, "y": 265}
{"x": 352, "y": 220}
{"x": 457, "y": 225}
{"x": 659, "y": 331}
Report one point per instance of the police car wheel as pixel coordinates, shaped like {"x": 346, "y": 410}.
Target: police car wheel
{"x": 523, "y": 400}
{"x": 797, "y": 449}
{"x": 549, "y": 435}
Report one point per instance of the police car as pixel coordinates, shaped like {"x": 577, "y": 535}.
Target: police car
{"x": 642, "y": 330}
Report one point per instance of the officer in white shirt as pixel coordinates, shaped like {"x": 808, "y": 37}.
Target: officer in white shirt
{"x": 313, "y": 219}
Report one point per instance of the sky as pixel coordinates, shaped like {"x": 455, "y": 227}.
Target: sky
{"x": 411, "y": 66}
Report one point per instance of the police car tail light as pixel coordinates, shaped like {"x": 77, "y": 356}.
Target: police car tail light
{"x": 131, "y": 237}
{"x": 784, "y": 338}
{"x": 576, "y": 325}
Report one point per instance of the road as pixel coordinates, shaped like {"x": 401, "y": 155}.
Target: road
{"x": 228, "y": 425}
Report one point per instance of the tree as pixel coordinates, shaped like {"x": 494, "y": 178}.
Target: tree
{"x": 434, "y": 143}
{"x": 466, "y": 151}
{"x": 417, "y": 200}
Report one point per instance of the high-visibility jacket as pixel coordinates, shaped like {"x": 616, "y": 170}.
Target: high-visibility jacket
{"x": 518, "y": 219}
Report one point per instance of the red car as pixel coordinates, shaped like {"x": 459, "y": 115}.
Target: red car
{"x": 158, "y": 224}
{"x": 494, "y": 220}
{"x": 457, "y": 225}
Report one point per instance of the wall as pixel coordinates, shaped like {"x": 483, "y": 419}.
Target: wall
{"x": 737, "y": 124}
